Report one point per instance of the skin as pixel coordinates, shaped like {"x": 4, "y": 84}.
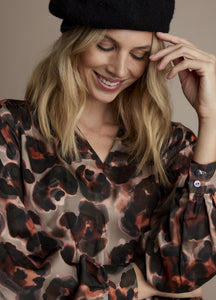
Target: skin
{"x": 197, "y": 73}
{"x": 121, "y": 56}
{"x": 118, "y": 57}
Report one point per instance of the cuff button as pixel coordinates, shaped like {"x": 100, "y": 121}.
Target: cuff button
{"x": 197, "y": 183}
{"x": 199, "y": 172}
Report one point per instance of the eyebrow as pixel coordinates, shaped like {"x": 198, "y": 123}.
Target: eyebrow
{"x": 147, "y": 47}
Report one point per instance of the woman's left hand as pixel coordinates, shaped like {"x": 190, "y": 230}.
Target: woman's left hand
{"x": 196, "y": 70}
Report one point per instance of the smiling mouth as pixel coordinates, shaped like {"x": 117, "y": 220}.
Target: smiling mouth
{"x": 108, "y": 82}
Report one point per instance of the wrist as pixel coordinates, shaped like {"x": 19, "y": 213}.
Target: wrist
{"x": 207, "y": 129}
{"x": 208, "y": 122}
{"x": 205, "y": 150}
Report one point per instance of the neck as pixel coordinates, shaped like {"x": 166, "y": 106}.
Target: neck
{"x": 97, "y": 114}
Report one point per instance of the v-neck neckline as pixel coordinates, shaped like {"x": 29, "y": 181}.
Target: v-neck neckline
{"x": 97, "y": 157}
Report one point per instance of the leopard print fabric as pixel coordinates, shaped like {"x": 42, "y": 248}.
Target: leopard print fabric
{"x": 70, "y": 229}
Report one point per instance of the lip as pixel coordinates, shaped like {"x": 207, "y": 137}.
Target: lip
{"x": 116, "y": 82}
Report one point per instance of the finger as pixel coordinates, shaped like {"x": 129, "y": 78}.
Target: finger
{"x": 202, "y": 68}
{"x": 174, "y": 51}
{"x": 181, "y": 51}
{"x": 158, "y": 55}
{"x": 183, "y": 75}
{"x": 167, "y": 37}
{"x": 182, "y": 68}
{"x": 177, "y": 60}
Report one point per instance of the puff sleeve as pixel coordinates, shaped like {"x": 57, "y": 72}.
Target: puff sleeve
{"x": 178, "y": 251}
{"x": 24, "y": 243}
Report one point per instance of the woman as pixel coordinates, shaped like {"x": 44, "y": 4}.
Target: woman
{"x": 99, "y": 190}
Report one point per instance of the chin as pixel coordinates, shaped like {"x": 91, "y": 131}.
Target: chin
{"x": 104, "y": 97}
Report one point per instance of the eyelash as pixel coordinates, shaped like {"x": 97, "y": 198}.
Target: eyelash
{"x": 134, "y": 56}
{"x": 104, "y": 49}
{"x": 139, "y": 58}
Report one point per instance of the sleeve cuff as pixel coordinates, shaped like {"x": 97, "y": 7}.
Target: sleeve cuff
{"x": 201, "y": 176}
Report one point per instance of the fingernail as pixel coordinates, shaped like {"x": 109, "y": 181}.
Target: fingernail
{"x": 153, "y": 56}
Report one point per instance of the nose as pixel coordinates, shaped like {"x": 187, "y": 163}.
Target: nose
{"x": 117, "y": 66}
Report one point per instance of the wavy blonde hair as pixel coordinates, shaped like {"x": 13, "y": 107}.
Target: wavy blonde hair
{"x": 56, "y": 92}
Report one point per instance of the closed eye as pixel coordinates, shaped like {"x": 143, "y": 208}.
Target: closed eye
{"x": 140, "y": 57}
{"x": 104, "y": 48}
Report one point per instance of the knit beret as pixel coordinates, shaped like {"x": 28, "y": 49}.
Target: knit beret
{"x": 144, "y": 15}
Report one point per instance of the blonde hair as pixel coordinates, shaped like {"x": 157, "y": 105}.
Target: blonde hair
{"x": 146, "y": 114}
{"x": 56, "y": 92}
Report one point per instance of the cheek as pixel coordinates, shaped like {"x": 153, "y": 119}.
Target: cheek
{"x": 139, "y": 71}
{"x": 85, "y": 62}
{"x": 90, "y": 59}
{"x": 138, "y": 68}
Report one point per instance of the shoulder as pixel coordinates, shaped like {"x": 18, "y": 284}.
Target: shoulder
{"x": 181, "y": 135}
{"x": 14, "y": 106}
{"x": 15, "y": 112}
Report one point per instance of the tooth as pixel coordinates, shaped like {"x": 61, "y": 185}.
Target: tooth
{"x": 108, "y": 82}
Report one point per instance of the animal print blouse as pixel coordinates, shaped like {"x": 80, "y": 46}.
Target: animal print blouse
{"x": 70, "y": 229}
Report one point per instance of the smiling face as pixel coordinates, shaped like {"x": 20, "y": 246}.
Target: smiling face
{"x": 115, "y": 63}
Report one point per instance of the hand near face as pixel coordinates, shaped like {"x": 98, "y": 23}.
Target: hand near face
{"x": 196, "y": 70}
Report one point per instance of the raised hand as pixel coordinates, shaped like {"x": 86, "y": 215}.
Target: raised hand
{"x": 196, "y": 70}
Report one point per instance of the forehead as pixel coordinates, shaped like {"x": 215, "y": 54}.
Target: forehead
{"x": 130, "y": 37}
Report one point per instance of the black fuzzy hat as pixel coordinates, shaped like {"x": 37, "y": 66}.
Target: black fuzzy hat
{"x": 144, "y": 15}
